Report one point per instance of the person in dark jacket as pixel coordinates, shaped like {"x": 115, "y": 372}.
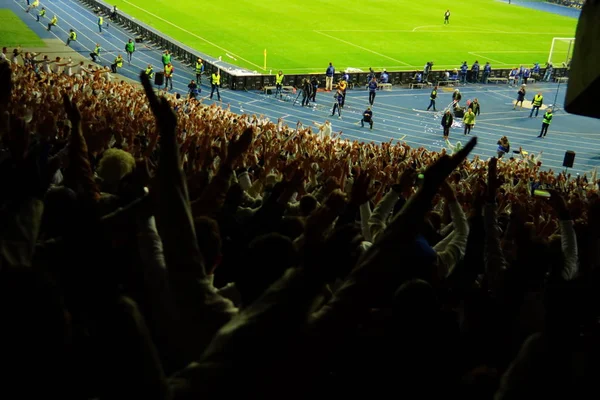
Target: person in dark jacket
{"x": 337, "y": 105}
{"x": 315, "y": 87}
{"x": 520, "y": 96}
{"x": 447, "y": 120}
{"x": 306, "y": 92}
{"x": 476, "y": 107}
{"x": 367, "y": 117}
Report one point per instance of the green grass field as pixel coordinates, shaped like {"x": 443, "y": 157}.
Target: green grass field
{"x": 304, "y": 35}
{"x": 14, "y": 32}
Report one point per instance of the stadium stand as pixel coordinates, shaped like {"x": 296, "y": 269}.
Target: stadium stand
{"x": 159, "y": 248}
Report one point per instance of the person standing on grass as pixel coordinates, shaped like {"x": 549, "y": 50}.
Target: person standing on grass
{"x": 129, "y": 49}
{"x": 118, "y": 63}
{"x": 53, "y": 22}
{"x": 199, "y": 69}
{"x": 279, "y": 84}
{"x": 41, "y": 14}
{"x": 96, "y": 53}
{"x": 368, "y": 118}
{"x": 447, "y": 120}
{"x": 215, "y": 81}
{"x": 169, "y": 76}
{"x": 337, "y": 105}
{"x": 166, "y": 58}
{"x": 520, "y": 96}
{"x": 72, "y": 37}
{"x": 447, "y": 17}
{"x": 536, "y": 103}
{"x": 372, "y": 90}
{"x": 432, "y": 97}
{"x": 329, "y": 77}
{"x": 469, "y": 121}
{"x": 100, "y": 23}
{"x": 546, "y": 122}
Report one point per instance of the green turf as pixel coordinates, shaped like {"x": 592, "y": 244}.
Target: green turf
{"x": 304, "y": 35}
{"x": 14, "y": 32}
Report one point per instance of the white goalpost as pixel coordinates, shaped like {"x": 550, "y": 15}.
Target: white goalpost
{"x": 561, "y": 51}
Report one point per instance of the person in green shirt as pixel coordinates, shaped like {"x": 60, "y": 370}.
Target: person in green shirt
{"x": 469, "y": 121}
{"x": 546, "y": 122}
{"x": 72, "y": 37}
{"x": 166, "y": 58}
{"x": 129, "y": 49}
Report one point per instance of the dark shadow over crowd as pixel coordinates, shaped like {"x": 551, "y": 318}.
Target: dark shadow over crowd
{"x": 158, "y": 248}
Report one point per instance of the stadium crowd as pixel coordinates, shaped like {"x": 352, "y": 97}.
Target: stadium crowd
{"x": 157, "y": 247}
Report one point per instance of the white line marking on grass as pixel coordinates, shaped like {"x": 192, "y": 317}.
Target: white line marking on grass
{"x": 424, "y": 26}
{"x": 362, "y": 48}
{"x": 194, "y": 35}
{"x": 488, "y": 58}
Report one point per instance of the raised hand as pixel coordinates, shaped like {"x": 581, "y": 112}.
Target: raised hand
{"x": 164, "y": 114}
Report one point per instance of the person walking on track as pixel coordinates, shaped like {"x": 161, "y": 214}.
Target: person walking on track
{"x": 432, "y": 97}
{"x": 372, "y": 90}
{"x": 447, "y": 120}
{"x": 469, "y": 121}
{"x": 129, "y": 49}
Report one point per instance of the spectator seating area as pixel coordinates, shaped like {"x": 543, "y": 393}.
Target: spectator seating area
{"x": 157, "y": 248}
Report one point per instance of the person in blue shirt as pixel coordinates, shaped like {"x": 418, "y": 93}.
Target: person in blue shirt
{"x": 346, "y": 76}
{"x": 367, "y": 117}
{"x": 463, "y": 72}
{"x": 487, "y": 70}
{"x": 329, "y": 77}
{"x": 526, "y": 75}
{"x": 315, "y": 87}
{"x": 384, "y": 78}
{"x": 372, "y": 89}
{"x": 337, "y": 105}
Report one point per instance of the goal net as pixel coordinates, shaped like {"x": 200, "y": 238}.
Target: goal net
{"x": 561, "y": 51}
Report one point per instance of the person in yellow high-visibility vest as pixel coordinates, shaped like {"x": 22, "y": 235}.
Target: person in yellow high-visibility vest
{"x": 199, "y": 70}
{"x": 215, "y": 81}
{"x": 100, "y": 23}
{"x": 53, "y": 22}
{"x": 536, "y": 103}
{"x": 469, "y": 120}
{"x": 169, "y": 76}
{"x": 117, "y": 64}
{"x": 72, "y": 37}
{"x": 149, "y": 72}
{"x": 279, "y": 84}
{"x": 33, "y": 5}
